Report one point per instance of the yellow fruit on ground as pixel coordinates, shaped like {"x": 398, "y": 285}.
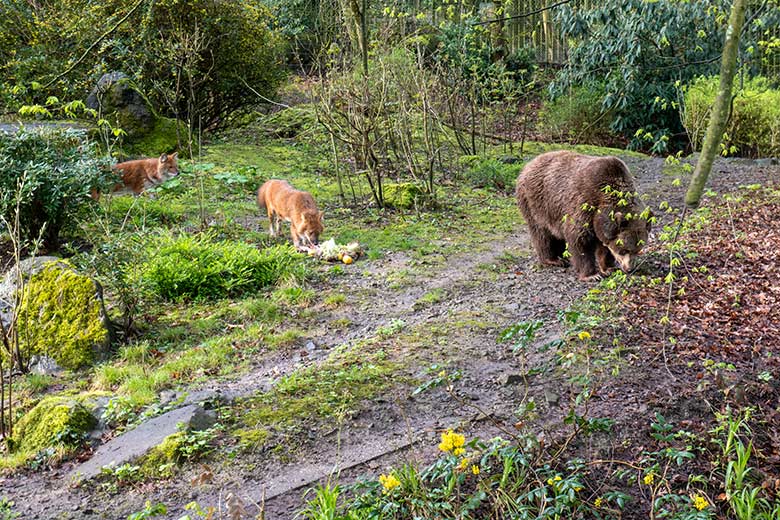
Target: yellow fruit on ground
{"x": 347, "y": 259}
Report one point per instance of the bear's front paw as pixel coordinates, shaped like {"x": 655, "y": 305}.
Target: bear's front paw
{"x": 590, "y": 278}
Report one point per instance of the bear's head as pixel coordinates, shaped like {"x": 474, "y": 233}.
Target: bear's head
{"x": 624, "y": 234}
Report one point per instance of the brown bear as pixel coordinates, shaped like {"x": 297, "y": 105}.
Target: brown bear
{"x": 589, "y": 203}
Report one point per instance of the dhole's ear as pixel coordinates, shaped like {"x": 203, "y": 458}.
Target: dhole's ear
{"x": 174, "y": 156}
{"x": 164, "y": 157}
{"x": 322, "y": 215}
{"x": 618, "y": 217}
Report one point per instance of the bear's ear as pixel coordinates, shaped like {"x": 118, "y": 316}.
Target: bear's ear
{"x": 608, "y": 224}
{"x": 322, "y": 215}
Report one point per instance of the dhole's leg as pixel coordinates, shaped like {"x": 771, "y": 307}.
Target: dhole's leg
{"x": 604, "y": 259}
{"x": 296, "y": 238}
{"x": 271, "y": 226}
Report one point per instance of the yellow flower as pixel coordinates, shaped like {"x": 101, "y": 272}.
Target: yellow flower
{"x": 442, "y": 373}
{"x": 584, "y": 335}
{"x": 549, "y": 482}
{"x": 578, "y": 489}
{"x": 475, "y": 470}
{"x": 458, "y": 451}
{"x": 557, "y": 478}
{"x": 464, "y": 464}
{"x": 451, "y": 441}
{"x": 389, "y": 482}
{"x": 699, "y": 502}
{"x": 649, "y": 478}
{"x": 597, "y": 502}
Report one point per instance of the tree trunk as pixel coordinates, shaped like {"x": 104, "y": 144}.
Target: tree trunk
{"x": 720, "y": 110}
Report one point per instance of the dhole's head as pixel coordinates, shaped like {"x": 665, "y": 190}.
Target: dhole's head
{"x": 167, "y": 167}
{"x": 624, "y": 235}
{"x": 310, "y": 227}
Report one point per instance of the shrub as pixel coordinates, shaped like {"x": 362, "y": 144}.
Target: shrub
{"x": 577, "y": 115}
{"x": 754, "y": 125}
{"x": 198, "y": 267}
{"x": 492, "y": 173}
{"x": 60, "y": 316}
{"x": 49, "y": 172}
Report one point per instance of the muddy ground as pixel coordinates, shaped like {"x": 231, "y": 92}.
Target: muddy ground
{"x": 482, "y": 292}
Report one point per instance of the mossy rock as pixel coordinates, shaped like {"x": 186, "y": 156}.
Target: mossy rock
{"x": 55, "y": 421}
{"x": 62, "y": 317}
{"x": 161, "y": 460}
{"x": 162, "y": 138}
{"x": 405, "y": 195}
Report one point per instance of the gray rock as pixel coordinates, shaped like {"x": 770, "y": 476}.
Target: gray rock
{"x": 27, "y": 268}
{"x": 512, "y": 379}
{"x": 202, "y": 419}
{"x": 136, "y": 443}
{"x": 769, "y": 161}
{"x": 44, "y": 365}
{"x": 115, "y": 95}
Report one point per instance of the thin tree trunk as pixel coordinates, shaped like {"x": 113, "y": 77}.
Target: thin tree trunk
{"x": 720, "y": 110}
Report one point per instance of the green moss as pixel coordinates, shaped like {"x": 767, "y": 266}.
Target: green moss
{"x": 406, "y": 195}
{"x": 336, "y": 387}
{"x": 161, "y": 460}
{"x": 161, "y": 138}
{"x": 60, "y": 317}
{"x": 55, "y": 421}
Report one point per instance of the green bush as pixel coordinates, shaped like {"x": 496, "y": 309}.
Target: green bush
{"x": 60, "y": 316}
{"x": 50, "y": 173}
{"x": 754, "y": 125}
{"x": 576, "y": 115}
{"x": 193, "y": 267}
{"x": 492, "y": 173}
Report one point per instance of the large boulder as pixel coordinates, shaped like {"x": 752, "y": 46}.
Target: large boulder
{"x": 61, "y": 312}
{"x": 122, "y": 104}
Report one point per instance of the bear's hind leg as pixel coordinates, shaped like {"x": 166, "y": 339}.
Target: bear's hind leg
{"x": 548, "y": 247}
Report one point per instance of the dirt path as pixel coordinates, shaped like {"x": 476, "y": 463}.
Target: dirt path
{"x": 480, "y": 294}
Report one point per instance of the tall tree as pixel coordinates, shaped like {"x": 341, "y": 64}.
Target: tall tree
{"x": 720, "y": 109}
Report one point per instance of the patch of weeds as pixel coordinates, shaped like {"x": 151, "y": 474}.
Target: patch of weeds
{"x": 296, "y": 296}
{"x": 334, "y": 301}
{"x": 521, "y": 335}
{"x": 149, "y": 511}
{"x": 332, "y": 389}
{"x": 259, "y": 309}
{"x": 7, "y": 510}
{"x": 400, "y": 279}
{"x": 283, "y": 339}
{"x": 395, "y": 326}
{"x": 430, "y": 298}
{"x": 438, "y": 376}
{"x": 37, "y": 383}
{"x": 340, "y": 323}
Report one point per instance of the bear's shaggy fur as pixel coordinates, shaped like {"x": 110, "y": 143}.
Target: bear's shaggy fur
{"x": 589, "y": 203}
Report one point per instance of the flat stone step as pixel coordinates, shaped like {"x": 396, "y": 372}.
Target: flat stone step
{"x": 137, "y": 442}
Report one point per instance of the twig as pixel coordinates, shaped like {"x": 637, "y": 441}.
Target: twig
{"x": 256, "y": 93}
{"x": 524, "y": 15}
